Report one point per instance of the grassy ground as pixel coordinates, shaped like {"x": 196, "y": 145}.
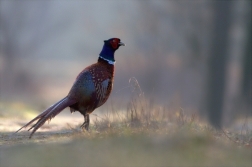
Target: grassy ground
{"x": 124, "y": 149}
{"x": 130, "y": 139}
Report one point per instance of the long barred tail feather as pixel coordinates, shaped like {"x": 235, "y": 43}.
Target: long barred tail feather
{"x": 48, "y": 114}
{"x": 39, "y": 116}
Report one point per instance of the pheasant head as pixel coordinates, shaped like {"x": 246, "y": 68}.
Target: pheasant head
{"x": 109, "y": 48}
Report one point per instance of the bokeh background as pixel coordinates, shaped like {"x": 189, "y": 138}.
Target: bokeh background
{"x": 169, "y": 49}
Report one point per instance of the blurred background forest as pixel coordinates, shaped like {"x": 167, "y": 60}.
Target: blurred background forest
{"x": 169, "y": 49}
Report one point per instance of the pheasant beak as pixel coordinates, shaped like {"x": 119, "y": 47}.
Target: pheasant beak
{"x": 121, "y": 44}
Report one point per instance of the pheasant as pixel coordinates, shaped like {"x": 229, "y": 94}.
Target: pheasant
{"x": 90, "y": 90}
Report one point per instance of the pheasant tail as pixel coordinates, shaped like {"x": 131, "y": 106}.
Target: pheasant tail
{"x": 48, "y": 114}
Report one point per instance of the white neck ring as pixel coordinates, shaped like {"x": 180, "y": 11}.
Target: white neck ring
{"x": 109, "y": 61}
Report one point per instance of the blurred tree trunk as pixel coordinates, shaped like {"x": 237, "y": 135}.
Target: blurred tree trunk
{"x": 247, "y": 70}
{"x": 217, "y": 62}
{"x": 234, "y": 105}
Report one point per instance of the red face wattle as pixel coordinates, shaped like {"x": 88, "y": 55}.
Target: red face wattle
{"x": 115, "y": 43}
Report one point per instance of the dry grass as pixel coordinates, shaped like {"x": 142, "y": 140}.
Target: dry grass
{"x": 143, "y": 135}
{"x": 125, "y": 146}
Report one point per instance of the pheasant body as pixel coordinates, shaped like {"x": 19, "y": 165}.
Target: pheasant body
{"x": 95, "y": 82}
{"x": 90, "y": 90}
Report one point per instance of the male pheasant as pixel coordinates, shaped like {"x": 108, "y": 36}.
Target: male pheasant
{"x": 90, "y": 90}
